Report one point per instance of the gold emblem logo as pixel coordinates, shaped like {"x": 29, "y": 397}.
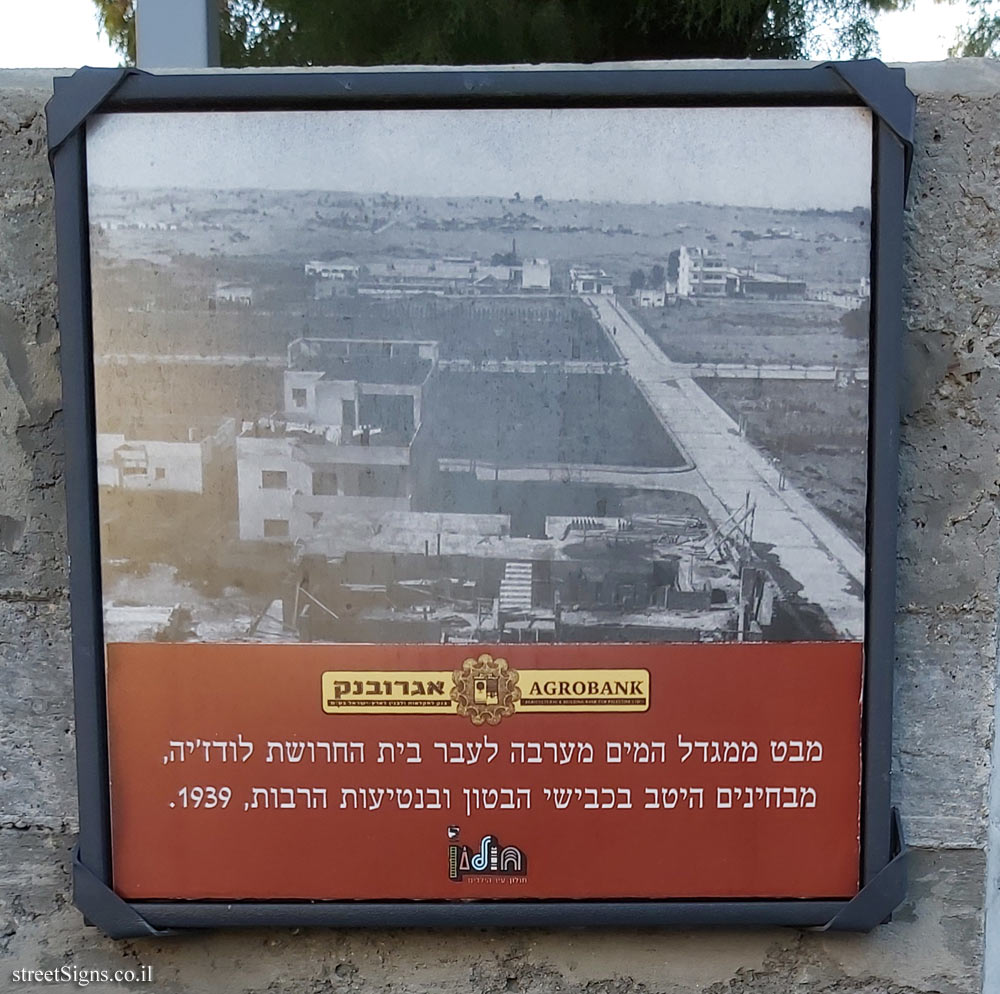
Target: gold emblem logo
{"x": 485, "y": 690}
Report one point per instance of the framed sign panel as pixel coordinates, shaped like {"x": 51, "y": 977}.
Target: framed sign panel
{"x": 482, "y": 494}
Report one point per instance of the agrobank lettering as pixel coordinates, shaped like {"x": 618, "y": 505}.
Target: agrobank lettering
{"x": 593, "y": 692}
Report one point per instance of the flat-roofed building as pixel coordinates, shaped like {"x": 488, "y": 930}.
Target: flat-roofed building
{"x": 166, "y": 454}
{"x": 536, "y": 274}
{"x": 340, "y": 270}
{"x": 586, "y": 281}
{"x": 234, "y": 294}
{"x": 762, "y": 285}
{"x": 702, "y": 273}
{"x": 342, "y": 443}
{"x": 649, "y": 298}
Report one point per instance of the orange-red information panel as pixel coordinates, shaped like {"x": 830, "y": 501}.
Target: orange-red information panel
{"x": 450, "y": 772}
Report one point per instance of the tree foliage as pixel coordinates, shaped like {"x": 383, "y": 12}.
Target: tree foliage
{"x": 117, "y": 19}
{"x": 982, "y": 37}
{"x": 673, "y": 265}
{"x": 380, "y": 32}
{"x": 855, "y": 323}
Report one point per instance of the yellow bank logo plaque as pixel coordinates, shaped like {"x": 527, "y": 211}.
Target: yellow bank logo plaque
{"x": 485, "y": 690}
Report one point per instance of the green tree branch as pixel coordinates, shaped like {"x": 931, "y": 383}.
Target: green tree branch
{"x": 379, "y": 32}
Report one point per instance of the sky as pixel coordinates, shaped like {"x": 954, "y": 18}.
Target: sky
{"x": 924, "y": 33}
{"x": 774, "y": 157}
{"x": 52, "y": 34}
{"x": 63, "y": 33}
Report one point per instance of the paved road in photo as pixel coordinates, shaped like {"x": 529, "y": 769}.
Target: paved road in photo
{"x": 828, "y": 565}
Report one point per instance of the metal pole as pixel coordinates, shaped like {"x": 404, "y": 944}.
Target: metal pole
{"x": 177, "y": 34}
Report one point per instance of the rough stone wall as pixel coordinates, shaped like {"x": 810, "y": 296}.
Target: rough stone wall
{"x": 946, "y": 669}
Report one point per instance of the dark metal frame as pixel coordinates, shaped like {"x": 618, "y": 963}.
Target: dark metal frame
{"x": 89, "y": 91}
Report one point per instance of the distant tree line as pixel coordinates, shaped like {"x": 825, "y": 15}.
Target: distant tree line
{"x": 655, "y": 280}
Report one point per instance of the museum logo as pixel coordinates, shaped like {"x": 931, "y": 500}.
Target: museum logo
{"x": 489, "y": 859}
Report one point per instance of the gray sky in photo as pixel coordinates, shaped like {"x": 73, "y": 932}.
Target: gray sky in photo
{"x": 784, "y": 157}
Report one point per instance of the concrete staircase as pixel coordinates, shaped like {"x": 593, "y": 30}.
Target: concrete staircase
{"x": 515, "y": 587}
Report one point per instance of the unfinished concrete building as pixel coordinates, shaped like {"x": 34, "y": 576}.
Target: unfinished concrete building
{"x": 342, "y": 443}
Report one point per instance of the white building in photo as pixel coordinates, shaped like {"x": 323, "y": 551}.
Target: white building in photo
{"x": 342, "y": 444}
{"x": 444, "y": 276}
{"x": 701, "y": 273}
{"x": 339, "y": 271}
{"x": 331, "y": 279}
{"x": 234, "y": 294}
{"x": 649, "y": 298}
{"x": 162, "y": 455}
{"x": 536, "y": 274}
{"x": 591, "y": 281}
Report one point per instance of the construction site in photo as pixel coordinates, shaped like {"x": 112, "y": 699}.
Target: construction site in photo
{"x": 463, "y": 459}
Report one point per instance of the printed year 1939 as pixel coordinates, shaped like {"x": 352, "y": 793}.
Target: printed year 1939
{"x": 203, "y": 797}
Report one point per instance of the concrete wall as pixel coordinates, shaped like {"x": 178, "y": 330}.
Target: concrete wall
{"x": 946, "y": 673}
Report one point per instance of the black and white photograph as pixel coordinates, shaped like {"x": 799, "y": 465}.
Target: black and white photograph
{"x": 482, "y": 376}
